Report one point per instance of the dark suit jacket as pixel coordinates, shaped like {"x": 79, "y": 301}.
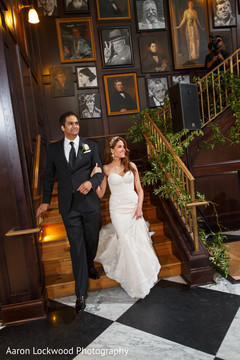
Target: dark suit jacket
{"x": 118, "y": 102}
{"x": 70, "y": 179}
{"x": 149, "y": 64}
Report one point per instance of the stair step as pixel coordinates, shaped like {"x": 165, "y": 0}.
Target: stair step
{"x": 54, "y": 231}
{"x": 64, "y": 285}
{"x": 56, "y": 258}
{"x": 55, "y": 249}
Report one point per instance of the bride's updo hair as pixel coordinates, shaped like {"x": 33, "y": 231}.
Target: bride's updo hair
{"x": 110, "y": 144}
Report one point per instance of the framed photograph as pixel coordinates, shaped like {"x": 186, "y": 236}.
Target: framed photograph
{"x": 113, "y": 10}
{"x": 121, "y": 93}
{"x": 154, "y": 53}
{"x": 150, "y": 15}
{"x": 75, "y": 40}
{"x": 157, "y": 91}
{"x": 89, "y": 105}
{"x": 47, "y": 8}
{"x": 189, "y": 33}
{"x": 176, "y": 79}
{"x": 226, "y": 37}
{"x": 61, "y": 80}
{"x": 86, "y": 77}
{"x": 224, "y": 13}
{"x": 75, "y": 6}
{"x": 116, "y": 46}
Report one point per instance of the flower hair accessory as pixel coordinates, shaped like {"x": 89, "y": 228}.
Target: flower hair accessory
{"x": 112, "y": 140}
{"x": 85, "y": 147}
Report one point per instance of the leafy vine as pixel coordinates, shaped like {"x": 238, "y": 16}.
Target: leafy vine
{"x": 171, "y": 187}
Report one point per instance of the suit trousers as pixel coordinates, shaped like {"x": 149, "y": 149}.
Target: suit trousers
{"x": 82, "y": 227}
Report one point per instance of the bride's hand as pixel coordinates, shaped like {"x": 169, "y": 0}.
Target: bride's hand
{"x": 96, "y": 170}
{"x": 138, "y": 213}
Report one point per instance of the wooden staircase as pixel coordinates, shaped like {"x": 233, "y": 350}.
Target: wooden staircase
{"x": 55, "y": 250}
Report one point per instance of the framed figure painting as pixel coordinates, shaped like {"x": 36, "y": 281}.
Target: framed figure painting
{"x": 75, "y": 39}
{"x": 76, "y": 6}
{"x": 113, "y": 10}
{"x": 116, "y": 46}
{"x": 86, "y": 77}
{"x": 47, "y": 8}
{"x": 121, "y": 93}
{"x": 89, "y": 105}
{"x": 154, "y": 53}
{"x": 190, "y": 33}
{"x": 61, "y": 80}
{"x": 150, "y": 15}
{"x": 157, "y": 91}
{"x": 224, "y": 13}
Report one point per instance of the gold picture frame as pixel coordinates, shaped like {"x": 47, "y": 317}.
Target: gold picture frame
{"x": 121, "y": 99}
{"x": 75, "y": 40}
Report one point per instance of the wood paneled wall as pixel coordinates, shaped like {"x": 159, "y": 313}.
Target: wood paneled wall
{"x": 48, "y": 43}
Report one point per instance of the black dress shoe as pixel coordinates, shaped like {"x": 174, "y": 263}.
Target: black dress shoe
{"x": 93, "y": 274}
{"x": 80, "y": 304}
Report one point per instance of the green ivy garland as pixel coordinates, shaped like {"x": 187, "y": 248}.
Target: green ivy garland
{"x": 160, "y": 163}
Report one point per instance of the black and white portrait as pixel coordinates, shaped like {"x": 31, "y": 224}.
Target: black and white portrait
{"x": 109, "y": 9}
{"x": 117, "y": 47}
{"x": 48, "y": 8}
{"x": 89, "y": 105}
{"x": 86, "y": 77}
{"x": 76, "y": 6}
{"x": 150, "y": 14}
{"x": 157, "y": 91}
{"x": 224, "y": 13}
{"x": 61, "y": 79}
{"x": 185, "y": 79}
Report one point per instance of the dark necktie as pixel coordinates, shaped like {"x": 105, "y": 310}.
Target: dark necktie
{"x": 72, "y": 155}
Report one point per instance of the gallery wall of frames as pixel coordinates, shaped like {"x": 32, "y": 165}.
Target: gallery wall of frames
{"x": 107, "y": 60}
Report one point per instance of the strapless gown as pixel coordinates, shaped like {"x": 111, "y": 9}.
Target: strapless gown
{"x": 125, "y": 246}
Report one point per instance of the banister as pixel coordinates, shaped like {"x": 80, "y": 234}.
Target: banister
{"x": 36, "y": 167}
{"x": 188, "y": 212}
{"x": 168, "y": 146}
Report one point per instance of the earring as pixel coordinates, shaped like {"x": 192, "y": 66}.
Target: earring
{"x": 113, "y": 155}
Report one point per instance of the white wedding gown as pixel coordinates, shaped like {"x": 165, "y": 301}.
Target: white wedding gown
{"x": 125, "y": 247}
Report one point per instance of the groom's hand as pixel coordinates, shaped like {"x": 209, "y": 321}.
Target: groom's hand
{"x": 85, "y": 187}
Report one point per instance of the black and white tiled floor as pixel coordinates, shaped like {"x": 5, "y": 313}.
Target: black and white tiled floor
{"x": 172, "y": 322}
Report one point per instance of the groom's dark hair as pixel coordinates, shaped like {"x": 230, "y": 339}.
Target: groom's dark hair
{"x": 63, "y": 117}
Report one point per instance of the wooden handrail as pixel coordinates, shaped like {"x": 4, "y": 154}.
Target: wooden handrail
{"x": 212, "y": 89}
{"x": 36, "y": 167}
{"x": 188, "y": 212}
{"x": 170, "y": 149}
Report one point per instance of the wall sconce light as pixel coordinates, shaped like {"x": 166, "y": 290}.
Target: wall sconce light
{"x": 32, "y": 14}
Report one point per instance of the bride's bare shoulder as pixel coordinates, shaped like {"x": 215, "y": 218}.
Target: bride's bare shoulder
{"x": 106, "y": 169}
{"x": 133, "y": 165}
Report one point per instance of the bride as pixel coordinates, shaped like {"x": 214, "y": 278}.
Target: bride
{"x": 125, "y": 247}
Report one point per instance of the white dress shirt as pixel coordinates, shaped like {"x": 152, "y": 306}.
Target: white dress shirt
{"x": 68, "y": 146}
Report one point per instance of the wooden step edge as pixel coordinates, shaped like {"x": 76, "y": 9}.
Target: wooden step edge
{"x": 56, "y": 280}
{"x": 56, "y": 258}
{"x": 168, "y": 260}
{"x": 55, "y": 242}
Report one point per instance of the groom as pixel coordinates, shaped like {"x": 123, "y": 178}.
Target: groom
{"x": 73, "y": 159}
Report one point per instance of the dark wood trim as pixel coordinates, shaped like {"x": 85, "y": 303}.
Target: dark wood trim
{"x": 25, "y": 311}
{"x": 216, "y": 168}
{"x": 196, "y": 267}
